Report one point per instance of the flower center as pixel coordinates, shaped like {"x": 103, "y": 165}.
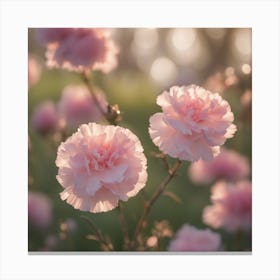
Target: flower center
{"x": 195, "y": 111}
{"x": 101, "y": 159}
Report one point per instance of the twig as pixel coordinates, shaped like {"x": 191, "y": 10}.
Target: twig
{"x": 107, "y": 246}
{"x": 124, "y": 226}
{"x": 148, "y": 206}
{"x": 112, "y": 114}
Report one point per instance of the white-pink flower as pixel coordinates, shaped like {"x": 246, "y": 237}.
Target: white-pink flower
{"x": 79, "y": 49}
{"x": 193, "y": 125}
{"x": 191, "y": 239}
{"x": 39, "y": 210}
{"x": 228, "y": 165}
{"x": 232, "y": 206}
{"x": 45, "y": 118}
{"x": 100, "y": 165}
{"x": 77, "y": 106}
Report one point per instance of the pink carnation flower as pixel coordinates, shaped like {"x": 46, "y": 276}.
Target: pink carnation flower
{"x": 191, "y": 239}
{"x": 45, "y": 118}
{"x": 80, "y": 49}
{"x": 228, "y": 165}
{"x": 34, "y": 70}
{"x": 193, "y": 125}
{"x": 39, "y": 210}
{"x": 77, "y": 106}
{"x": 232, "y": 206}
{"x": 100, "y": 165}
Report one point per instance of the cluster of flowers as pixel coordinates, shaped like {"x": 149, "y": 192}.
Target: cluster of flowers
{"x": 109, "y": 160}
{"x": 75, "y": 107}
{"x": 231, "y": 195}
{"x": 99, "y": 165}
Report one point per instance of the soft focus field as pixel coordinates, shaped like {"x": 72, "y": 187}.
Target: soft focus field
{"x": 150, "y": 61}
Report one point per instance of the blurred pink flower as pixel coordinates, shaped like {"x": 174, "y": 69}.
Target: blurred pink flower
{"x": 34, "y": 70}
{"x": 232, "y": 206}
{"x": 100, "y": 165}
{"x": 47, "y": 36}
{"x": 76, "y": 106}
{"x": 39, "y": 210}
{"x": 215, "y": 83}
{"x": 228, "y": 165}
{"x": 193, "y": 125}
{"x": 246, "y": 102}
{"x": 79, "y": 49}
{"x": 51, "y": 243}
{"x": 246, "y": 99}
{"x": 191, "y": 239}
{"x": 45, "y": 118}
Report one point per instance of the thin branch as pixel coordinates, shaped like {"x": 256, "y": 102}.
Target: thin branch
{"x": 124, "y": 226}
{"x": 107, "y": 246}
{"x": 148, "y": 206}
{"x": 112, "y": 114}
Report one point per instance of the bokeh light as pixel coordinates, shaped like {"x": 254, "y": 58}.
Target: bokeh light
{"x": 163, "y": 71}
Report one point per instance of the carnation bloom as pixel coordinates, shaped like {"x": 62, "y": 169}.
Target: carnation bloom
{"x": 191, "y": 239}
{"x": 34, "y": 70}
{"x": 232, "y": 206}
{"x": 193, "y": 125}
{"x": 79, "y": 49}
{"x": 228, "y": 165}
{"x": 77, "y": 106}
{"x": 100, "y": 165}
{"x": 39, "y": 210}
{"x": 45, "y": 118}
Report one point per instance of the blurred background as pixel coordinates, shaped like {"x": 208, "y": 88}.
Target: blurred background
{"x": 150, "y": 61}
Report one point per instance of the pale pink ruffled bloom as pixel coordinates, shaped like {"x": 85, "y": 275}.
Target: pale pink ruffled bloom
{"x": 45, "y": 118}
{"x": 232, "y": 206}
{"x": 77, "y": 106}
{"x": 191, "y": 239}
{"x": 228, "y": 165}
{"x": 34, "y": 70}
{"x": 39, "y": 210}
{"x": 193, "y": 125}
{"x": 100, "y": 165}
{"x": 80, "y": 49}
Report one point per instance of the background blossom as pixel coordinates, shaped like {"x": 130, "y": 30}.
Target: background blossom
{"x": 193, "y": 125}
{"x": 100, "y": 165}
{"x": 191, "y": 239}
{"x": 232, "y": 206}
{"x": 228, "y": 165}
{"x": 39, "y": 210}
{"x": 47, "y": 36}
{"x": 77, "y": 106}
{"x": 79, "y": 49}
{"x": 34, "y": 70}
{"x": 45, "y": 118}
